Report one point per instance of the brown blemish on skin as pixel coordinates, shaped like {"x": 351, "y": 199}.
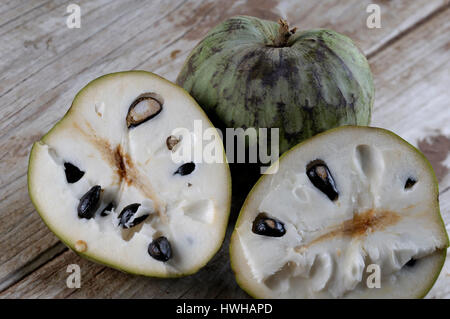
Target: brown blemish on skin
{"x": 361, "y": 225}
{"x": 436, "y": 149}
{"x": 80, "y": 246}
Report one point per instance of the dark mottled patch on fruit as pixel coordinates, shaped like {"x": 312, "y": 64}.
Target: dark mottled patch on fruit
{"x": 436, "y": 149}
{"x": 325, "y": 47}
{"x": 188, "y": 68}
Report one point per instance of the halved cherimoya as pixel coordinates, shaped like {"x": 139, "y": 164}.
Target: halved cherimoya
{"x": 344, "y": 200}
{"x": 105, "y": 182}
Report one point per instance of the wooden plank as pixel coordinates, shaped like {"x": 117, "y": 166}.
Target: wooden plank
{"x": 214, "y": 280}
{"x": 411, "y": 83}
{"x": 31, "y": 98}
{"x": 25, "y": 11}
{"x": 11, "y": 5}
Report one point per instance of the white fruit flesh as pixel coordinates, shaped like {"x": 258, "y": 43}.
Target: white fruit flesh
{"x": 132, "y": 165}
{"x": 328, "y": 244}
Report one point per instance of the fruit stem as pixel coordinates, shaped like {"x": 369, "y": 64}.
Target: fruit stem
{"x": 283, "y": 35}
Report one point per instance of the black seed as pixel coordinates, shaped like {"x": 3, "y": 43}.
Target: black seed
{"x": 89, "y": 203}
{"x": 160, "y": 249}
{"x": 410, "y": 182}
{"x": 411, "y": 262}
{"x": 107, "y": 209}
{"x": 320, "y": 176}
{"x": 127, "y": 213}
{"x": 152, "y": 108}
{"x": 73, "y": 173}
{"x": 185, "y": 169}
{"x": 266, "y": 226}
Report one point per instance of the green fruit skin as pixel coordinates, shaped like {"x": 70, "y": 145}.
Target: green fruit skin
{"x": 319, "y": 80}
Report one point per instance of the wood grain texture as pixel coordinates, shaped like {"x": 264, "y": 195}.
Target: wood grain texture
{"x": 44, "y": 64}
{"x": 411, "y": 84}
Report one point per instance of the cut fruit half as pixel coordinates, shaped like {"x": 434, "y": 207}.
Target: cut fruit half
{"x": 351, "y": 213}
{"x": 105, "y": 181}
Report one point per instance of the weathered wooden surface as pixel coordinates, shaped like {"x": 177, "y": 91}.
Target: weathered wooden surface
{"x": 44, "y": 64}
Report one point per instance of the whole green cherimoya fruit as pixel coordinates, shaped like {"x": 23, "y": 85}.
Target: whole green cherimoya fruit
{"x": 249, "y": 72}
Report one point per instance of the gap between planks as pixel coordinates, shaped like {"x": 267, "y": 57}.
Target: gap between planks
{"x": 383, "y": 45}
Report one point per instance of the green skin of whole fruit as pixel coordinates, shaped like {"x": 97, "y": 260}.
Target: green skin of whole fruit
{"x": 249, "y": 72}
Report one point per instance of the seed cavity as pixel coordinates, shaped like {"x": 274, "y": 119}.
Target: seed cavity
{"x": 171, "y": 141}
{"x": 73, "y": 173}
{"x": 411, "y": 262}
{"x": 320, "y": 176}
{"x": 267, "y": 226}
{"x": 125, "y": 216}
{"x": 89, "y": 203}
{"x": 108, "y": 209}
{"x": 144, "y": 108}
{"x": 160, "y": 249}
{"x": 80, "y": 246}
{"x": 99, "y": 108}
{"x": 410, "y": 182}
{"x": 185, "y": 169}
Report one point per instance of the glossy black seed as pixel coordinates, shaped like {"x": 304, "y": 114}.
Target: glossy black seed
{"x": 320, "y": 176}
{"x": 107, "y": 209}
{"x": 73, "y": 173}
{"x": 185, "y": 169}
{"x": 411, "y": 262}
{"x": 126, "y": 215}
{"x": 160, "y": 249}
{"x": 266, "y": 226}
{"x": 89, "y": 203}
{"x": 410, "y": 182}
{"x": 151, "y": 106}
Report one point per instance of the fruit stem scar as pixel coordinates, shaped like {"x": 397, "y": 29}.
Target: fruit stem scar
{"x": 360, "y": 225}
{"x": 282, "y": 38}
